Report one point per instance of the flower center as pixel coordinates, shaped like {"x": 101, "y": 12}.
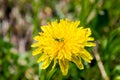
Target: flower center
{"x": 60, "y": 44}
{"x": 59, "y": 39}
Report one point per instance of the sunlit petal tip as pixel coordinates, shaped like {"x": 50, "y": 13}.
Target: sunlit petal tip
{"x": 89, "y": 61}
{"x": 43, "y": 28}
{"x": 81, "y": 27}
{"x": 90, "y": 44}
{"x": 36, "y": 38}
{"x": 93, "y": 44}
{"x": 46, "y": 63}
{"x": 55, "y": 62}
{"x": 42, "y": 58}
{"x": 63, "y": 66}
{"x": 40, "y": 33}
{"x": 91, "y": 58}
{"x": 64, "y": 73}
{"x": 81, "y": 67}
{"x": 33, "y": 53}
{"x": 32, "y": 45}
{"x": 38, "y": 61}
{"x": 90, "y": 39}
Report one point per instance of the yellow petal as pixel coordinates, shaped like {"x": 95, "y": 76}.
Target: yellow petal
{"x": 45, "y": 63}
{"x": 90, "y": 39}
{"x": 60, "y": 55}
{"x": 66, "y": 54}
{"x": 55, "y": 61}
{"x": 36, "y": 38}
{"x": 36, "y": 51}
{"x": 76, "y": 24}
{"x": 35, "y": 44}
{"x": 88, "y": 32}
{"x": 89, "y": 44}
{"x": 44, "y": 28}
{"x": 63, "y": 66}
{"x": 86, "y": 56}
{"x": 78, "y": 62}
{"x": 42, "y": 58}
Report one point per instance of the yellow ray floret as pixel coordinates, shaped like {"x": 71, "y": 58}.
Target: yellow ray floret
{"x": 63, "y": 42}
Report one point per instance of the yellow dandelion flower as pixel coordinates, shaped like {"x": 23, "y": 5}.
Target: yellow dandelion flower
{"x": 62, "y": 42}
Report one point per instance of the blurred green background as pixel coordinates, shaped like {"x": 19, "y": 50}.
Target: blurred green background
{"x": 20, "y": 20}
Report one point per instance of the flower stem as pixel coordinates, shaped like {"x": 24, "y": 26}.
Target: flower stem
{"x": 99, "y": 63}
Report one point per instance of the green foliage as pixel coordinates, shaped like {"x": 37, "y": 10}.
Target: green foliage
{"x": 14, "y": 66}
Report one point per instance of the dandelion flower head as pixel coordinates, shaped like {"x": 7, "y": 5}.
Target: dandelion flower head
{"x": 63, "y": 42}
